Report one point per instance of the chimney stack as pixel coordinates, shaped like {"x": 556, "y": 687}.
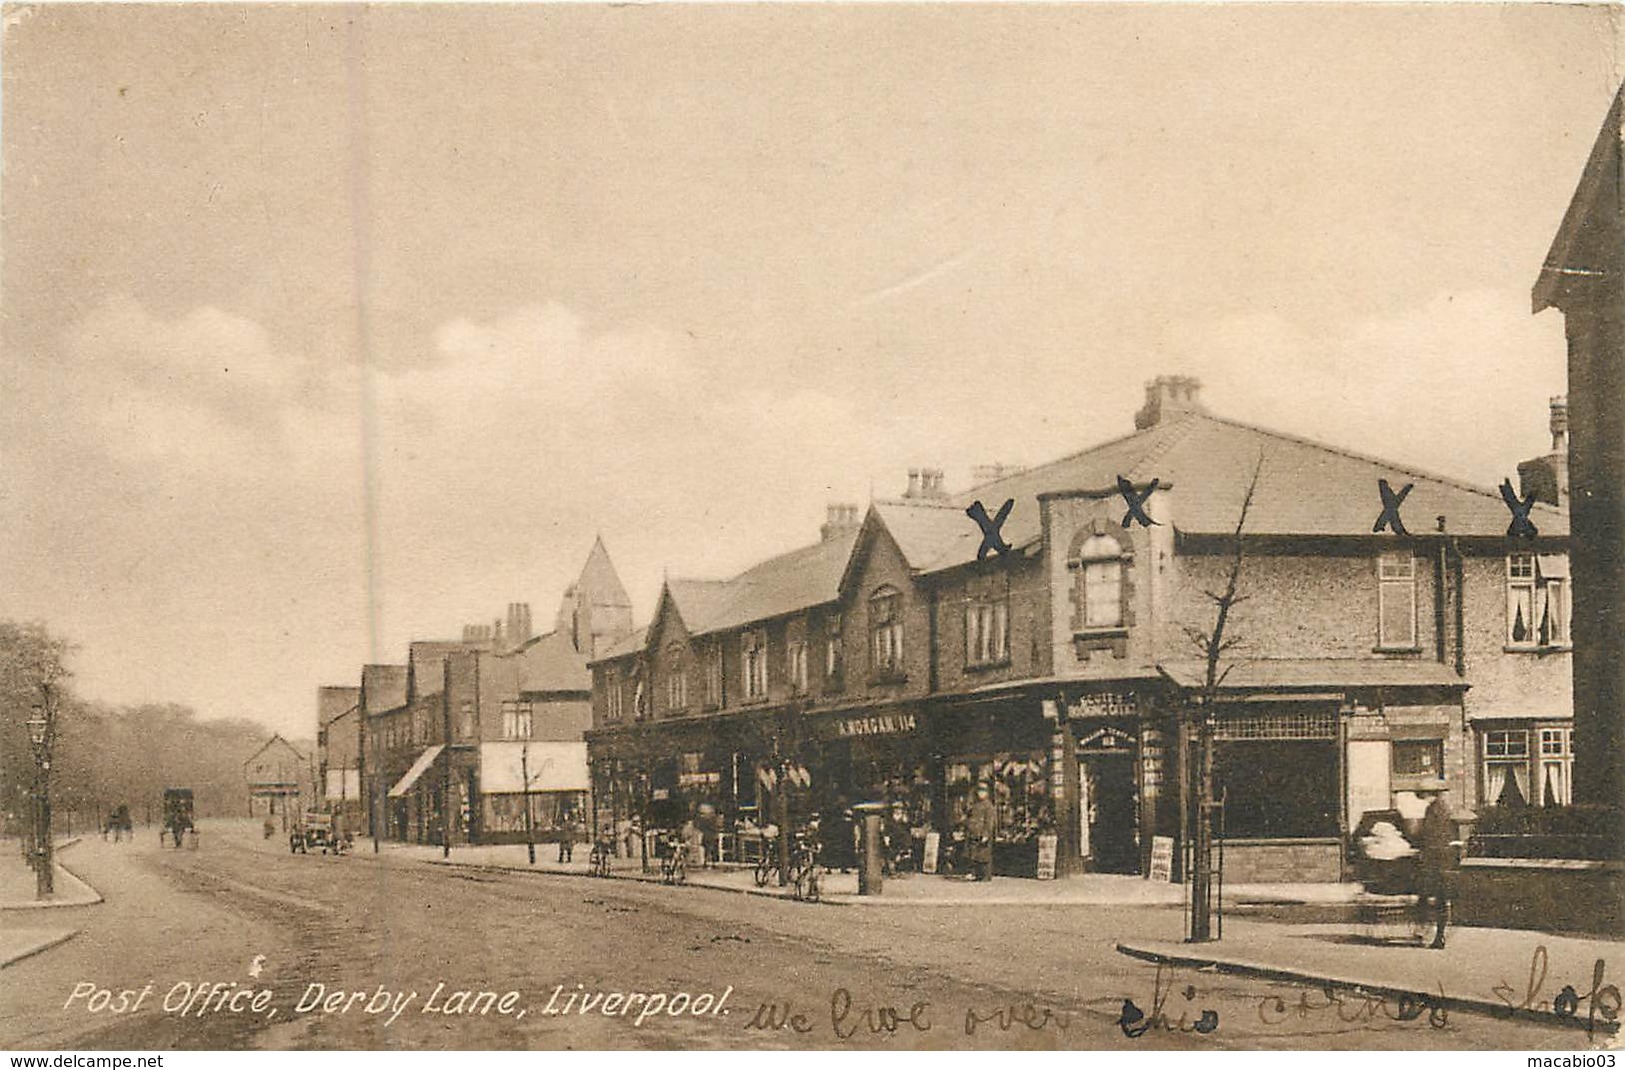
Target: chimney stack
{"x": 1547, "y": 478}
{"x": 1166, "y": 397}
{"x": 839, "y": 519}
{"x": 913, "y": 490}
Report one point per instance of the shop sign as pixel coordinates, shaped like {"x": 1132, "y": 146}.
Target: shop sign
{"x": 1103, "y": 704}
{"x": 875, "y": 724}
{"x": 1107, "y": 739}
{"x": 691, "y": 780}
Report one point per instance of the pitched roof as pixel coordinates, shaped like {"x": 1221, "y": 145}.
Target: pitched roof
{"x": 384, "y": 685}
{"x": 1305, "y": 488}
{"x": 333, "y": 702}
{"x": 698, "y": 601}
{"x": 599, "y": 578}
{"x": 808, "y": 576}
{"x": 632, "y": 643}
{"x": 1593, "y": 227}
{"x": 552, "y": 663}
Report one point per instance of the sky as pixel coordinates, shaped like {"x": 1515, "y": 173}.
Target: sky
{"x": 323, "y": 329}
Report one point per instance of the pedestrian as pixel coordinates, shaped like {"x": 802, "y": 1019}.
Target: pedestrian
{"x": 1437, "y": 861}
{"x": 567, "y": 837}
{"x": 980, "y": 827}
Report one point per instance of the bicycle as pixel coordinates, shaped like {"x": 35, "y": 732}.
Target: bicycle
{"x": 598, "y": 861}
{"x": 806, "y": 883}
{"x": 768, "y": 865}
{"x": 674, "y": 864}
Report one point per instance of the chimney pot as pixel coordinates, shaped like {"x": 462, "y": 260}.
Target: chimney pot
{"x": 913, "y": 484}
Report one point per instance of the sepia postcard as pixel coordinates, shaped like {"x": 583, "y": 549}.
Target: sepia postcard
{"x": 830, "y": 526}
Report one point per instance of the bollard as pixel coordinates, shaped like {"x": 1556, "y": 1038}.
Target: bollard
{"x": 871, "y": 849}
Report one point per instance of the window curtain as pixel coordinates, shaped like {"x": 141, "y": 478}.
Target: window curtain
{"x": 1555, "y": 787}
{"x": 1506, "y": 783}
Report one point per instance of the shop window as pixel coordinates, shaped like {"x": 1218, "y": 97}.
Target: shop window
{"x": 1418, "y": 757}
{"x": 834, "y": 654}
{"x": 516, "y": 719}
{"x": 1396, "y": 600}
{"x": 1278, "y": 788}
{"x": 1506, "y": 767}
{"x": 886, "y": 631}
{"x": 1100, "y": 575}
{"x": 612, "y": 695}
{"x": 713, "y": 676}
{"x": 1537, "y": 600}
{"x": 987, "y": 633}
{"x": 754, "y": 647}
{"x": 796, "y": 665}
{"x": 1556, "y": 766}
{"x": 676, "y": 678}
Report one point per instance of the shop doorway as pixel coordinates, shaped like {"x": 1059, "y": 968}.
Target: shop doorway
{"x": 1108, "y": 817}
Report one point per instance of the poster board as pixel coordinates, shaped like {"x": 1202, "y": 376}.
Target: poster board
{"x": 1162, "y": 858}
{"x": 1046, "y": 857}
{"x": 933, "y": 843}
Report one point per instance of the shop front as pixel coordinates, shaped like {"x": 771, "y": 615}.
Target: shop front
{"x": 1007, "y": 743}
{"x": 1116, "y": 742}
{"x": 659, "y": 776}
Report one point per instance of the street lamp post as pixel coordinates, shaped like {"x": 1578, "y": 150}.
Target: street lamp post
{"x": 41, "y": 733}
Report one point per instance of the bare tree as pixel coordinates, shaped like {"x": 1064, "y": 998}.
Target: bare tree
{"x": 1214, "y": 644}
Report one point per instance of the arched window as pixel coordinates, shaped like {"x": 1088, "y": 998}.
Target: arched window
{"x": 1100, "y": 564}
{"x": 886, "y": 630}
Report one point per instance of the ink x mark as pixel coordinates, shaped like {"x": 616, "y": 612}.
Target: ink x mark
{"x": 991, "y": 539}
{"x": 1390, "y": 508}
{"x": 1136, "y": 502}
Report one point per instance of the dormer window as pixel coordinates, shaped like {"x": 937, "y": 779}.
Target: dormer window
{"x": 1100, "y": 567}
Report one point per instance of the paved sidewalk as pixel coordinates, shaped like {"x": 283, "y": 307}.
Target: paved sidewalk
{"x": 913, "y": 890}
{"x": 1505, "y": 972}
{"x": 19, "y": 944}
{"x": 17, "y": 885}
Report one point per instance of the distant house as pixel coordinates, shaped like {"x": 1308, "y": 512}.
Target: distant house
{"x": 278, "y": 780}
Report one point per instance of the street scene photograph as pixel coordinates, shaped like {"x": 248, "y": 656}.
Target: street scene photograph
{"x": 856, "y": 527}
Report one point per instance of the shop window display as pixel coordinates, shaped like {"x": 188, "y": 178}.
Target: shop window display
{"x": 1020, "y": 783}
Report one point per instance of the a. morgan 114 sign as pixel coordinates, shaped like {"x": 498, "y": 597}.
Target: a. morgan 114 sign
{"x": 879, "y": 724}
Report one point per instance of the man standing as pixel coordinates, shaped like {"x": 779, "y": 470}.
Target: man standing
{"x": 1437, "y": 861}
{"x": 980, "y": 827}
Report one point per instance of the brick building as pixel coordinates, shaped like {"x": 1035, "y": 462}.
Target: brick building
{"x": 480, "y": 726}
{"x": 890, "y": 661}
{"x": 338, "y": 750}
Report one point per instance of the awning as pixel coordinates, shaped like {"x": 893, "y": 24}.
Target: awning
{"x": 549, "y": 765}
{"x": 419, "y": 767}
{"x": 1309, "y": 674}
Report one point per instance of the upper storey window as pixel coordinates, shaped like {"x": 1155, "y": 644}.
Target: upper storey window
{"x": 886, "y": 631}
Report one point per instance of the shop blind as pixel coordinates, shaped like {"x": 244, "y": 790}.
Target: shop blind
{"x": 1279, "y": 726}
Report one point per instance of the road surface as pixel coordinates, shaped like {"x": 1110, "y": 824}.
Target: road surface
{"x": 340, "y": 945}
